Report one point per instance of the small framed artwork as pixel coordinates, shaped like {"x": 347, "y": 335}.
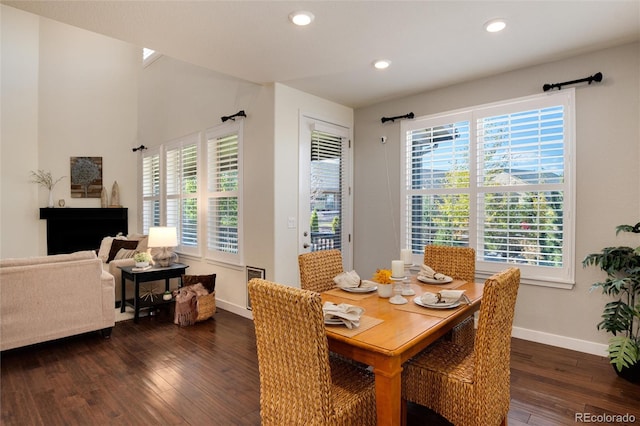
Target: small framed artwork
{"x": 253, "y": 273}
{"x": 86, "y": 177}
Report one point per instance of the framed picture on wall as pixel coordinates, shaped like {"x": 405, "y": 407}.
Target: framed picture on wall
{"x": 86, "y": 177}
{"x": 253, "y": 273}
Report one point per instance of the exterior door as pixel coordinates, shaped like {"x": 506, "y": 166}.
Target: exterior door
{"x": 325, "y": 188}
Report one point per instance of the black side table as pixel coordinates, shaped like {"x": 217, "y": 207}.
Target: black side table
{"x": 154, "y": 273}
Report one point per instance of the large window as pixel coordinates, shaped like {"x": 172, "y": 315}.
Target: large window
{"x": 224, "y": 185}
{"x": 181, "y": 195}
{"x": 498, "y": 178}
{"x": 151, "y": 190}
{"x": 195, "y": 184}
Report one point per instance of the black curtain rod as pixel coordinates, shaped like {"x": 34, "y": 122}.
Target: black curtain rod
{"x": 233, "y": 117}
{"x": 385, "y": 119}
{"x": 140, "y": 148}
{"x": 596, "y": 77}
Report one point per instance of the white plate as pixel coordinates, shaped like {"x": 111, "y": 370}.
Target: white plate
{"x": 359, "y": 289}
{"x": 333, "y": 321}
{"x": 419, "y": 302}
{"x": 432, "y": 281}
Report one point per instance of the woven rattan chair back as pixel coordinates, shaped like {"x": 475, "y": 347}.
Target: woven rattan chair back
{"x": 470, "y": 389}
{"x": 299, "y": 385}
{"x": 456, "y": 262}
{"x": 492, "y": 346}
{"x": 318, "y": 268}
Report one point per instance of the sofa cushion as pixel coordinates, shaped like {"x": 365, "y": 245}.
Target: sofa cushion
{"x": 125, "y": 254}
{"x": 55, "y": 258}
{"x": 105, "y": 247}
{"x": 117, "y": 244}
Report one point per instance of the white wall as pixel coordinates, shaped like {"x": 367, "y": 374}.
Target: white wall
{"x": 68, "y": 92}
{"x": 178, "y": 99}
{"x": 608, "y": 180}
{"x": 19, "y": 230}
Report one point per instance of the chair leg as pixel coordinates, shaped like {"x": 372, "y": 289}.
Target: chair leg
{"x": 403, "y": 412}
{"x": 504, "y": 421}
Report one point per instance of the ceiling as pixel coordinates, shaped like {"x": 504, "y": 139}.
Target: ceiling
{"x": 431, "y": 44}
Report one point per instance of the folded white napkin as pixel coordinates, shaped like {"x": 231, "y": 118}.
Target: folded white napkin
{"x": 351, "y": 279}
{"x": 427, "y": 272}
{"x": 348, "y": 314}
{"x": 446, "y": 296}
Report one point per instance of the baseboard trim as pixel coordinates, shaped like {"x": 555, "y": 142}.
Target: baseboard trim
{"x": 235, "y": 309}
{"x": 584, "y": 346}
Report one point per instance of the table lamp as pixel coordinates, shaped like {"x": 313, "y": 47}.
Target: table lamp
{"x": 163, "y": 237}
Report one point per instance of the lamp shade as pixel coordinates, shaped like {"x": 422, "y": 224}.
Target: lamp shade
{"x": 163, "y": 236}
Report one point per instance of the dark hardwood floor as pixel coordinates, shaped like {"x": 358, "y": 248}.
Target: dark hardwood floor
{"x": 156, "y": 373}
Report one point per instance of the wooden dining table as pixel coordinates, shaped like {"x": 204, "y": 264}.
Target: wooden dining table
{"x": 388, "y": 335}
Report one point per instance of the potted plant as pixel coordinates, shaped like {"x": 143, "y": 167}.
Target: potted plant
{"x": 45, "y": 180}
{"x": 621, "y": 317}
{"x": 142, "y": 259}
{"x": 383, "y": 278}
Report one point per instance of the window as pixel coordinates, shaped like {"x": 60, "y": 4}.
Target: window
{"x": 149, "y": 56}
{"x": 223, "y": 192}
{"x": 498, "y": 178}
{"x": 326, "y": 184}
{"x": 151, "y": 187}
{"x": 181, "y": 191}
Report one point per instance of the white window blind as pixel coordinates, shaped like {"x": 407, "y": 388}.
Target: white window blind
{"x": 498, "y": 178}
{"x": 151, "y": 186}
{"x": 326, "y": 190}
{"x": 181, "y": 208}
{"x": 224, "y": 186}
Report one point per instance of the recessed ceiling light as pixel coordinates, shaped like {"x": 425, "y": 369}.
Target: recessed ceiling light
{"x": 381, "y": 64}
{"x": 495, "y": 25}
{"x": 301, "y": 17}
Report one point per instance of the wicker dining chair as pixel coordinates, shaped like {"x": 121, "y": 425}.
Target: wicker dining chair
{"x": 318, "y": 268}
{"x": 300, "y": 384}
{"x": 459, "y": 263}
{"x": 470, "y": 389}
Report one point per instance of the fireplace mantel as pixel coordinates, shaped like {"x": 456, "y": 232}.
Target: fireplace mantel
{"x": 74, "y": 229}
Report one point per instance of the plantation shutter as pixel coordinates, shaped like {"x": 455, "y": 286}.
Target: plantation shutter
{"x": 224, "y": 192}
{"x": 150, "y": 191}
{"x": 181, "y": 162}
{"x": 326, "y": 190}
{"x": 521, "y": 186}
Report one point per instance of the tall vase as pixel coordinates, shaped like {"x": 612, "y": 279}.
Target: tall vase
{"x": 103, "y": 198}
{"x": 50, "y": 203}
{"x": 115, "y": 195}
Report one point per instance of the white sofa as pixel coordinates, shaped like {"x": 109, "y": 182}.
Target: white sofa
{"x": 50, "y": 297}
{"x": 123, "y": 257}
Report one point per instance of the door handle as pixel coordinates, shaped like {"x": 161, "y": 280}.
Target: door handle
{"x": 306, "y": 245}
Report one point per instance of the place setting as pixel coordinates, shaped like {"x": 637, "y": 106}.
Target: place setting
{"x": 350, "y": 282}
{"x": 346, "y": 319}
{"x": 439, "y": 304}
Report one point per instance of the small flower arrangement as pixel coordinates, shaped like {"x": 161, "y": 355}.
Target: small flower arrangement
{"x": 44, "y": 179}
{"x": 142, "y": 256}
{"x": 382, "y": 276}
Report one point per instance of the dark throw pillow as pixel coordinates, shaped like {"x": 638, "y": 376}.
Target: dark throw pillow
{"x": 116, "y": 245}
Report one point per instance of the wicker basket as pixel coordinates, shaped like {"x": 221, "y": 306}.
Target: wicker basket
{"x": 206, "y": 306}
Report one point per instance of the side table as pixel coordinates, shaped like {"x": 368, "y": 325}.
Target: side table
{"x": 154, "y": 273}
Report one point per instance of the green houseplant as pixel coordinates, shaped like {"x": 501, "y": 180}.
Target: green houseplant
{"x": 621, "y": 317}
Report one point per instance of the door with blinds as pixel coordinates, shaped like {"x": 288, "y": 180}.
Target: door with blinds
{"x": 324, "y": 203}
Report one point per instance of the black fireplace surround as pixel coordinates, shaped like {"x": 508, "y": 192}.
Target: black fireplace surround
{"x": 75, "y": 229}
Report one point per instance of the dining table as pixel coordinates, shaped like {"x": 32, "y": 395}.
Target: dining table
{"x": 390, "y": 334}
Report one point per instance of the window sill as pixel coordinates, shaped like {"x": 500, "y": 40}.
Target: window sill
{"x": 568, "y": 285}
